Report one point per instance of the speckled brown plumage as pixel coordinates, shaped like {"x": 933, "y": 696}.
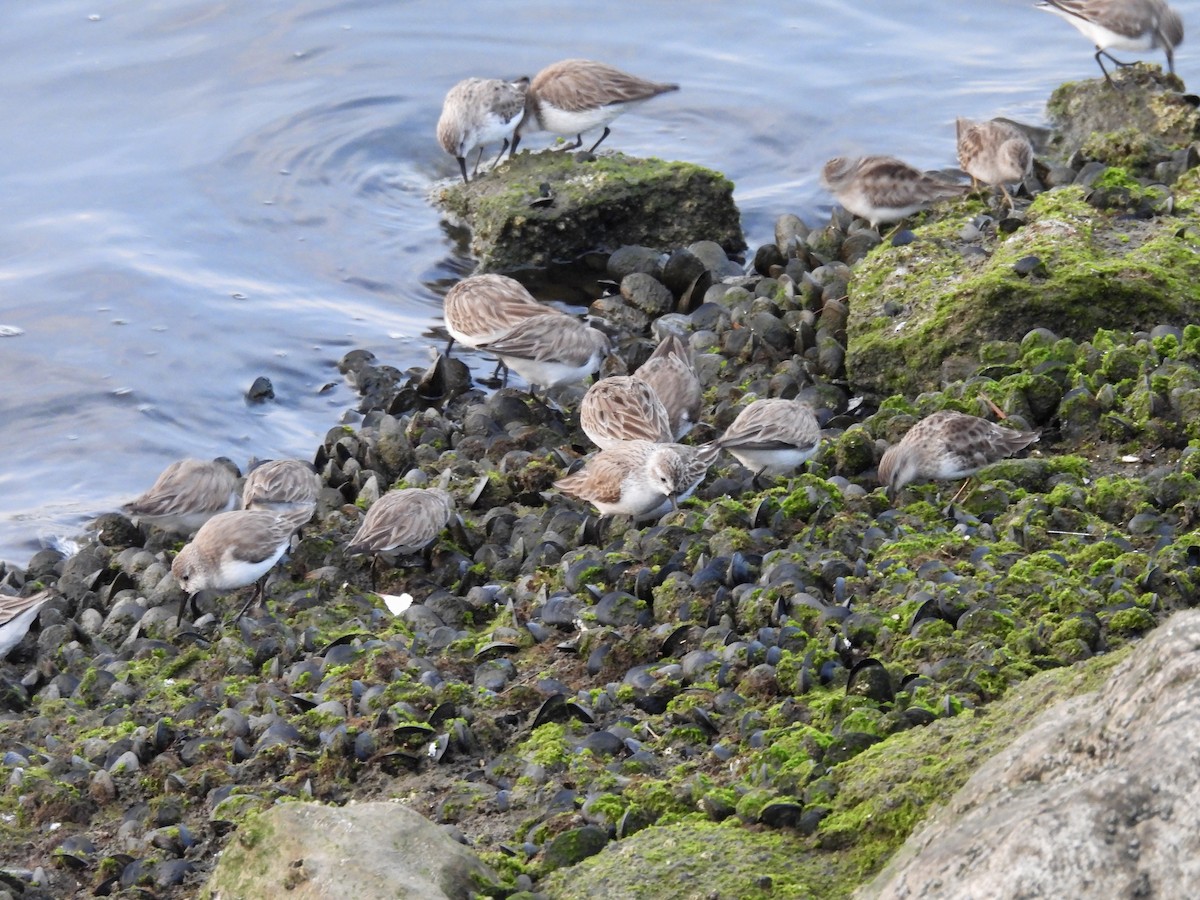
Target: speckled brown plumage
{"x": 949, "y": 444}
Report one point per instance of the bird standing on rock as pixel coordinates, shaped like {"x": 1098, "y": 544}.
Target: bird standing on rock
{"x": 623, "y": 408}
{"x": 773, "y": 436}
{"x": 884, "y": 189}
{"x": 232, "y": 550}
{"x": 671, "y": 372}
{"x": 640, "y": 479}
{"x": 402, "y": 522}
{"x": 996, "y": 152}
{"x": 574, "y": 96}
{"x": 477, "y": 112}
{"x": 287, "y": 487}
{"x": 1133, "y": 25}
{"x": 187, "y": 494}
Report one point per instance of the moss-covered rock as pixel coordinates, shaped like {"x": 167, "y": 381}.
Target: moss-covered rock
{"x": 917, "y": 308}
{"x": 1143, "y": 121}
{"x": 884, "y": 792}
{"x": 539, "y": 208}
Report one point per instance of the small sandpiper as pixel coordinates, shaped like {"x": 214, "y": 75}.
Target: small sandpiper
{"x": 477, "y": 112}
{"x": 482, "y": 308}
{"x": 884, "y": 189}
{"x": 551, "y": 349}
{"x": 402, "y": 522}
{"x": 671, "y": 371}
{"x": 286, "y": 487}
{"x": 948, "y": 445}
{"x": 641, "y": 479}
{"x": 995, "y": 152}
{"x": 574, "y": 96}
{"x": 623, "y": 408}
{"x": 187, "y": 494}
{"x": 773, "y": 436}
{"x": 231, "y": 550}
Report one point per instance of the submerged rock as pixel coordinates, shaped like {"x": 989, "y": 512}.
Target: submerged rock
{"x": 539, "y": 208}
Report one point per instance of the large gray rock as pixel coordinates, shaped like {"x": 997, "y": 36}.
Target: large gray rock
{"x": 1097, "y": 799}
{"x": 367, "y": 851}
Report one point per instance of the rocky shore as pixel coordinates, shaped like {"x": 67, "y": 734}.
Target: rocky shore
{"x": 761, "y": 695}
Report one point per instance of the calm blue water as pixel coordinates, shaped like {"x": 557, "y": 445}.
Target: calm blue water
{"x": 198, "y": 193}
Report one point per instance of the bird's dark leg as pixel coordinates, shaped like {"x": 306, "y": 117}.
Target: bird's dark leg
{"x": 449, "y": 344}
{"x": 1100, "y": 63}
{"x": 578, "y": 143}
{"x": 496, "y": 374}
{"x": 475, "y": 171}
{"x": 597, "y": 144}
{"x": 516, "y": 139}
{"x": 256, "y": 595}
{"x": 500, "y": 154}
{"x": 462, "y": 164}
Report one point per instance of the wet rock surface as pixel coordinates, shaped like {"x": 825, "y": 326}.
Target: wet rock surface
{"x": 795, "y": 670}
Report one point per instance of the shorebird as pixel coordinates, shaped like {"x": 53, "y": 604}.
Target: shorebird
{"x": 772, "y": 436}
{"x": 948, "y": 445}
{"x": 402, "y": 522}
{"x": 187, "y": 494}
{"x": 286, "y": 487}
{"x": 574, "y": 96}
{"x": 883, "y": 188}
{"x": 640, "y": 479}
{"x": 231, "y": 550}
{"x": 671, "y": 371}
{"x": 483, "y": 308}
{"x": 623, "y": 408}
{"x": 995, "y": 152}
{"x": 477, "y": 112}
{"x": 1133, "y": 25}
{"x": 550, "y": 349}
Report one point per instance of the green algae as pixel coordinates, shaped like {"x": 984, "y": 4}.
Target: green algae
{"x": 882, "y": 794}
{"x": 950, "y": 309}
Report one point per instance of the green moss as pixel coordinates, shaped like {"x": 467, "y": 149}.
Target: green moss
{"x": 883, "y": 793}
{"x": 608, "y": 201}
{"x": 952, "y": 310}
{"x": 546, "y": 745}
{"x": 691, "y": 859}
{"x": 1131, "y": 621}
